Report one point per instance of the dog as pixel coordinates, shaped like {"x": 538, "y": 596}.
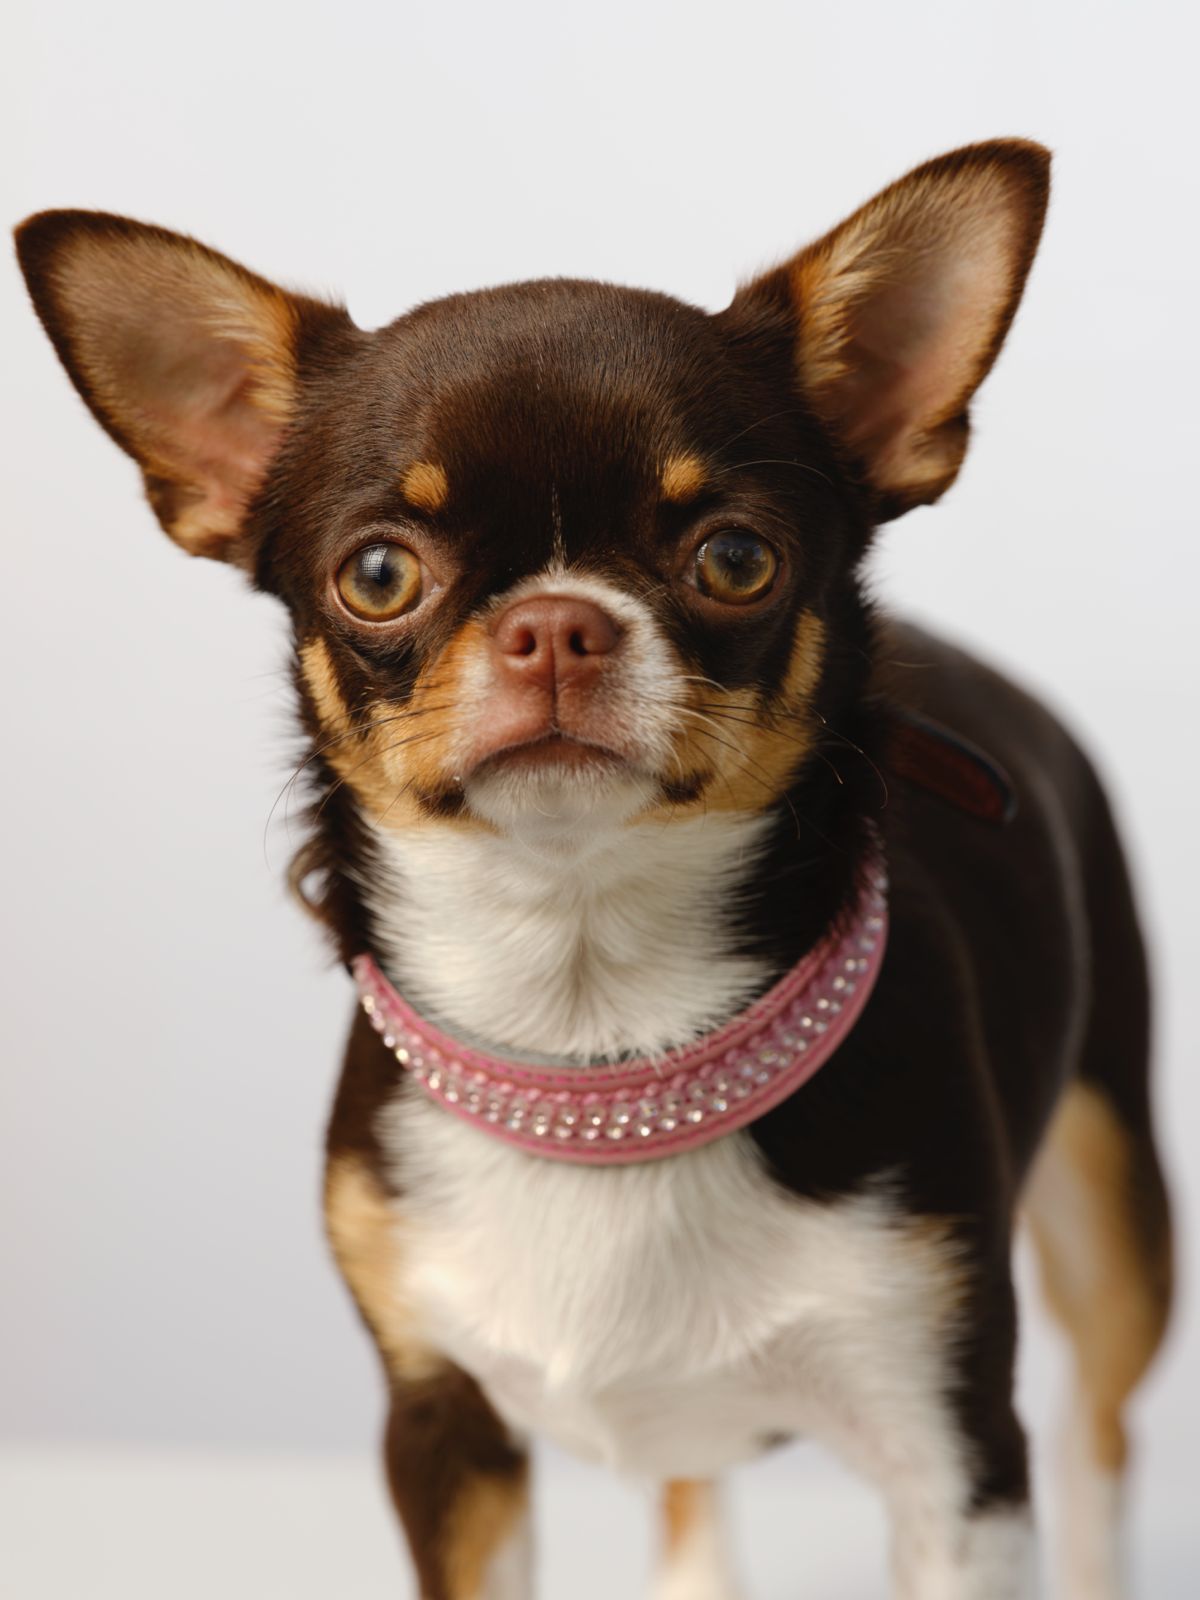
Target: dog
{"x": 734, "y": 963}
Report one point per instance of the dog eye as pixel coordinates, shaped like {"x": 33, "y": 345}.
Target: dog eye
{"x": 380, "y": 582}
{"x": 735, "y": 567}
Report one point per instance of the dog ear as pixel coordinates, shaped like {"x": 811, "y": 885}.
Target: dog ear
{"x": 187, "y": 359}
{"x": 899, "y": 312}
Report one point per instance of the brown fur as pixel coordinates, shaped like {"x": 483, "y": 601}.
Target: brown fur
{"x": 743, "y": 749}
{"x": 391, "y": 759}
{"x": 612, "y": 431}
{"x": 356, "y": 747}
{"x": 746, "y": 748}
{"x": 459, "y": 1484}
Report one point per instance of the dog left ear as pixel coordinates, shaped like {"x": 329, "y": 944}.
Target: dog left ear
{"x": 900, "y": 312}
{"x": 192, "y": 363}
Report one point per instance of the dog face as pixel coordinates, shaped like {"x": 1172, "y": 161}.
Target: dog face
{"x": 559, "y": 570}
{"x": 558, "y": 555}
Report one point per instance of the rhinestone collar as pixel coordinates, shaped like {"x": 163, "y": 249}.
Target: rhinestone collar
{"x": 618, "y": 1112}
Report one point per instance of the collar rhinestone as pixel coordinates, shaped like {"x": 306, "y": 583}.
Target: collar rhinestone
{"x": 614, "y": 1113}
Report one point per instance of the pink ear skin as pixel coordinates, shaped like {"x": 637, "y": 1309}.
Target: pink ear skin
{"x": 901, "y": 310}
{"x": 186, "y": 358}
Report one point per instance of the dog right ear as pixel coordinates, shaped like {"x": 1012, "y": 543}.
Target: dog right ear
{"x": 187, "y": 359}
{"x": 899, "y": 312}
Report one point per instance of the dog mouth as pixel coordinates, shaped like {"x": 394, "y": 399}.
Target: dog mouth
{"x": 554, "y": 752}
{"x": 551, "y": 786}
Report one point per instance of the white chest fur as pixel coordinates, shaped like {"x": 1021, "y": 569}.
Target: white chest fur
{"x": 669, "y": 1317}
{"x": 664, "y": 1318}
{"x": 621, "y": 944}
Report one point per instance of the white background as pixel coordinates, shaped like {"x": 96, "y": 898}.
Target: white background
{"x": 170, "y": 1026}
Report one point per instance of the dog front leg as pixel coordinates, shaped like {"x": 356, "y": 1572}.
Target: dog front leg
{"x": 693, "y": 1561}
{"x": 916, "y": 1394}
{"x": 943, "y": 1554}
{"x": 956, "y": 1480}
{"x": 461, "y": 1487}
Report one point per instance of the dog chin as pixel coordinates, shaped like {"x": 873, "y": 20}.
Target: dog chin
{"x": 558, "y": 806}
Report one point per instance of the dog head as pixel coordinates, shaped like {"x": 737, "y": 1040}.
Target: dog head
{"x": 558, "y": 555}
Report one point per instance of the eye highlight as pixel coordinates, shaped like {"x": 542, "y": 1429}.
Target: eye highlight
{"x": 735, "y": 567}
{"x": 380, "y": 582}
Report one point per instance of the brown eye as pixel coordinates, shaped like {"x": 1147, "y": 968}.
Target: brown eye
{"x": 380, "y": 582}
{"x": 735, "y": 567}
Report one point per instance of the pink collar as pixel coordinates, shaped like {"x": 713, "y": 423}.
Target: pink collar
{"x": 613, "y": 1113}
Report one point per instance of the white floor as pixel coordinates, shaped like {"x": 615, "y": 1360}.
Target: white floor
{"x": 138, "y": 1524}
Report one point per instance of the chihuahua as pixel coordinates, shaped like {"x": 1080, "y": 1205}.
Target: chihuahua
{"x": 733, "y": 963}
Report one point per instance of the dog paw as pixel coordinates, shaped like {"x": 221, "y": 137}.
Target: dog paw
{"x": 697, "y": 1584}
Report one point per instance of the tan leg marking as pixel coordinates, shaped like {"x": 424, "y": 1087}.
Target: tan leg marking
{"x": 1110, "y": 1292}
{"x": 694, "y": 1561}
{"x": 367, "y": 1239}
{"x": 486, "y": 1516}
{"x": 685, "y": 1502}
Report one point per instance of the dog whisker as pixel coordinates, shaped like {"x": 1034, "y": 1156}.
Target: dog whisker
{"x": 358, "y": 730}
{"x": 375, "y": 755}
{"x": 772, "y": 461}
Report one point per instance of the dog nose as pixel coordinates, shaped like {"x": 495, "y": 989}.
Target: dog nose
{"x": 551, "y": 639}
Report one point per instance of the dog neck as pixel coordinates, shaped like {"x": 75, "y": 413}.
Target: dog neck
{"x": 626, "y": 942}
{"x": 640, "y": 1108}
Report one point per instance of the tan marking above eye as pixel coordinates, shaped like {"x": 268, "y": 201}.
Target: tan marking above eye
{"x": 425, "y": 485}
{"x": 380, "y": 582}
{"x": 682, "y": 478}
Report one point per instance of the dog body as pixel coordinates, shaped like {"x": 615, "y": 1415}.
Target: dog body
{"x": 630, "y": 1320}
{"x": 566, "y": 1327}
{"x": 605, "y": 741}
